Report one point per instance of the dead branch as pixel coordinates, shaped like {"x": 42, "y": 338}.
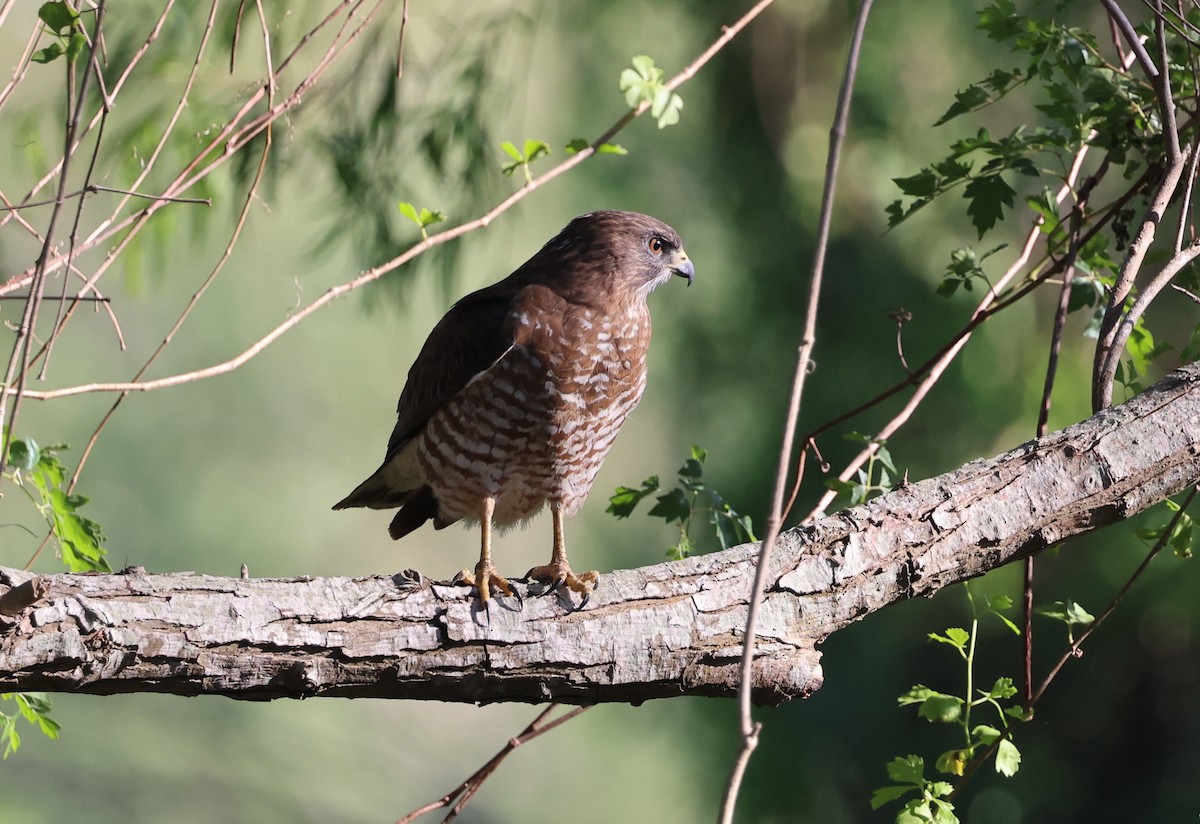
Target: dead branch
{"x": 658, "y": 631}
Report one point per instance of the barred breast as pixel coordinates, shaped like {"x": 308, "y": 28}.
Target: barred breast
{"x": 536, "y": 427}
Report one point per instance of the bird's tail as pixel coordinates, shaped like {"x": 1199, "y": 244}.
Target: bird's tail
{"x": 417, "y": 508}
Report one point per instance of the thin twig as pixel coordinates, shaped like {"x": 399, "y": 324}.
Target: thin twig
{"x": 1074, "y": 651}
{"x": 73, "y": 241}
{"x": 468, "y": 788}
{"x": 1185, "y": 207}
{"x": 251, "y": 197}
{"x": 436, "y": 239}
{"x": 19, "y": 360}
{"x": 1108, "y": 354}
{"x": 109, "y": 97}
{"x": 1056, "y": 335}
{"x": 1129, "y": 320}
{"x": 749, "y": 730}
{"x": 400, "y": 46}
{"x": 1195, "y": 298}
{"x": 933, "y": 369}
{"x": 1162, "y": 85}
{"x": 1131, "y": 37}
{"x": 93, "y": 188}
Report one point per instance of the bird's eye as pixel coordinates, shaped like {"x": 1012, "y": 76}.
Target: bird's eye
{"x": 657, "y": 245}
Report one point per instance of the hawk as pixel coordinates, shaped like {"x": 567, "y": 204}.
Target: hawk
{"x": 520, "y": 390}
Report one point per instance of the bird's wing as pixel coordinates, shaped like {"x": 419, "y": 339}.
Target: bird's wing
{"x": 471, "y": 338}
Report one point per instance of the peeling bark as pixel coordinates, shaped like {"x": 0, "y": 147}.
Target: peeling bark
{"x": 654, "y": 632}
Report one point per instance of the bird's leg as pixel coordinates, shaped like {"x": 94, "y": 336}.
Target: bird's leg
{"x": 558, "y": 571}
{"x": 485, "y": 576}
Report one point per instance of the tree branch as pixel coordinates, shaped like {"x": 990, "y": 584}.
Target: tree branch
{"x": 658, "y": 631}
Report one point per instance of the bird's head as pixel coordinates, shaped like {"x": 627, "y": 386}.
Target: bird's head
{"x": 616, "y": 253}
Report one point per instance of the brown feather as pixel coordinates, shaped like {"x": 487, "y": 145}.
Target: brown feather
{"x": 520, "y": 389}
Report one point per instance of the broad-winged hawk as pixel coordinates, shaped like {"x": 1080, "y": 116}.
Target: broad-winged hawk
{"x": 519, "y": 391}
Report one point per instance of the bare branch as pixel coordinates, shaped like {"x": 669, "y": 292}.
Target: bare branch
{"x": 92, "y": 188}
{"x": 18, "y": 362}
{"x": 837, "y": 136}
{"x": 379, "y": 271}
{"x": 467, "y": 789}
{"x": 680, "y": 624}
{"x": 1117, "y": 14}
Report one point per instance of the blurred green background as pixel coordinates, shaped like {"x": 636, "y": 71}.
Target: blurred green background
{"x": 243, "y": 468}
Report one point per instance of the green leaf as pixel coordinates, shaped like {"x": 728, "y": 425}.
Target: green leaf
{"x": 733, "y": 529}
{"x": 51, "y": 52}
{"x": 535, "y": 149}
{"x": 922, "y": 184}
{"x": 429, "y": 217}
{"x": 79, "y": 537}
{"x": 988, "y": 195}
{"x": 1008, "y": 758}
{"x": 1001, "y": 690}
{"x": 915, "y": 695}
{"x": 1008, "y": 623}
{"x": 35, "y": 709}
{"x": 511, "y": 150}
{"x": 579, "y": 144}
{"x": 58, "y": 17}
{"x": 968, "y": 99}
{"x": 907, "y": 770}
{"x": 75, "y": 45}
{"x": 943, "y": 811}
{"x": 632, "y": 84}
{"x": 669, "y": 115}
{"x": 645, "y": 67}
{"x": 999, "y": 602}
{"x": 683, "y": 549}
{"x": 955, "y": 636}
{"x": 953, "y": 762}
{"x": 9, "y": 735}
{"x": 692, "y": 468}
{"x": 941, "y": 709}
{"x": 409, "y": 211}
{"x": 986, "y": 735}
{"x": 673, "y": 506}
{"x": 1141, "y": 348}
{"x": 625, "y": 498}
{"x": 1069, "y": 612}
{"x": 884, "y": 795}
{"x": 23, "y": 453}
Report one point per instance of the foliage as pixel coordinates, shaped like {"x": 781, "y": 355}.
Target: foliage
{"x": 34, "y": 708}
{"x": 644, "y": 84}
{"x": 930, "y": 803}
{"x": 979, "y": 740}
{"x": 424, "y": 218}
{"x": 1069, "y": 613}
{"x": 579, "y": 144}
{"x": 521, "y": 159}
{"x": 62, "y": 23}
{"x": 1086, "y": 100}
{"x": 867, "y": 484}
{"x": 681, "y": 504}
{"x": 79, "y": 537}
{"x": 964, "y": 268}
{"x": 1180, "y": 531}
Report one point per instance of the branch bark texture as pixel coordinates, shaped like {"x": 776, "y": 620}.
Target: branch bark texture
{"x": 653, "y": 632}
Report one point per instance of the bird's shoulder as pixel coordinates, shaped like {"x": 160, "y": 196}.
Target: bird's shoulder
{"x": 470, "y": 337}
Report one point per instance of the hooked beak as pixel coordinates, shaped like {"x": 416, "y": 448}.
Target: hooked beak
{"x": 684, "y": 267}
